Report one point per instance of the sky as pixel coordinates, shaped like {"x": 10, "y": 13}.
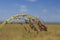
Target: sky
{"x": 45, "y": 10}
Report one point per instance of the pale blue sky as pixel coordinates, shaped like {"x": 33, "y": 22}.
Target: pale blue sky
{"x": 46, "y": 10}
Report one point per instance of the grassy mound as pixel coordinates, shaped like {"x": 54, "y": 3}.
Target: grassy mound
{"x": 10, "y": 31}
{"x": 18, "y": 32}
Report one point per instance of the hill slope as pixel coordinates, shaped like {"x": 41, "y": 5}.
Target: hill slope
{"x": 17, "y": 32}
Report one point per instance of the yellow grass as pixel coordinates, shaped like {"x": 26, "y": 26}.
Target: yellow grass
{"x": 17, "y": 32}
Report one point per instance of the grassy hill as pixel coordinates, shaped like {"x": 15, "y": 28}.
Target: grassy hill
{"x": 17, "y": 32}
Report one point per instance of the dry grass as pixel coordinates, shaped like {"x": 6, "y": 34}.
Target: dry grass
{"x": 17, "y": 32}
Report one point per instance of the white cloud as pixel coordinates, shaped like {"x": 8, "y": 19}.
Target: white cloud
{"x": 44, "y": 10}
{"x": 17, "y": 4}
{"x": 23, "y": 8}
{"x": 58, "y": 11}
{"x": 32, "y": 0}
